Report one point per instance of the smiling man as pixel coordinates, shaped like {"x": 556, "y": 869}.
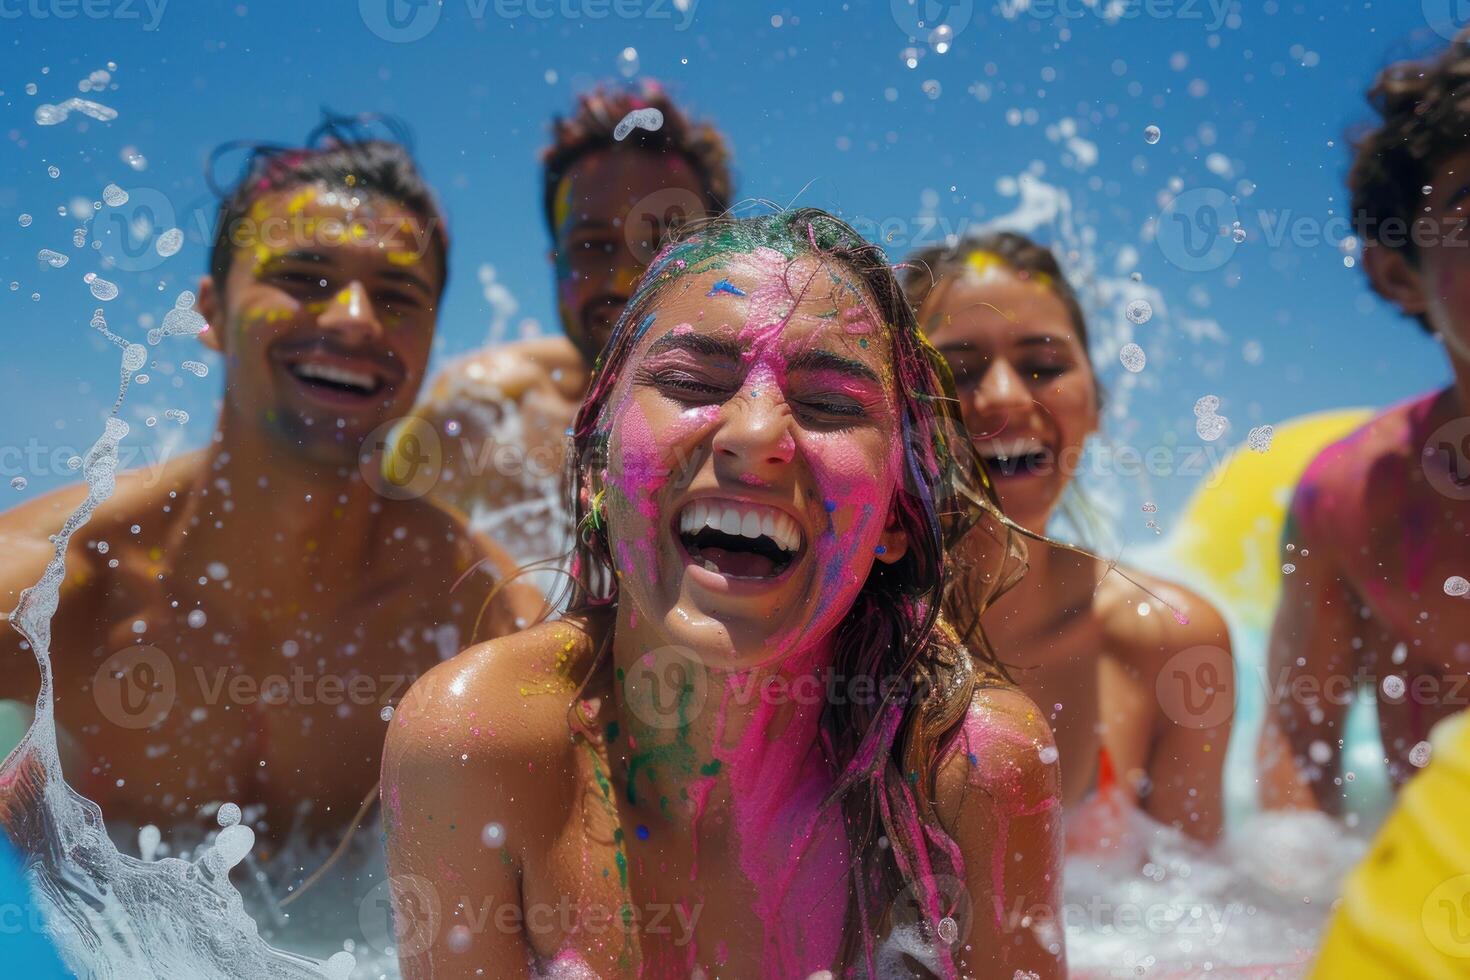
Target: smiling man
{"x": 234, "y": 626}
{"x": 609, "y": 194}
{"x": 1380, "y": 523}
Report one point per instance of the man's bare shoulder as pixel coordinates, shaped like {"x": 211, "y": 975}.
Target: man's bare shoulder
{"x": 1004, "y": 749}
{"x": 511, "y": 371}
{"x": 139, "y": 497}
{"x": 1335, "y": 492}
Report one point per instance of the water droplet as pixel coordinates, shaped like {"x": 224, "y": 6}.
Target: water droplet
{"x": 1320, "y": 752}
{"x": 1287, "y": 568}
{"x": 932, "y": 88}
{"x": 493, "y": 835}
{"x": 949, "y": 930}
{"x": 1150, "y": 508}
{"x": 169, "y": 242}
{"x": 54, "y": 259}
{"x": 134, "y": 357}
{"x": 1140, "y": 311}
{"x": 387, "y": 713}
{"x": 1259, "y": 438}
{"x": 197, "y": 368}
{"x": 114, "y": 196}
{"x": 1152, "y": 134}
{"x": 1456, "y": 585}
{"x": 628, "y": 62}
{"x": 229, "y": 815}
{"x": 103, "y": 290}
{"x": 19, "y": 483}
{"x": 649, "y": 119}
{"x": 54, "y": 172}
{"x": 25, "y": 221}
{"x": 1133, "y": 357}
{"x": 197, "y": 618}
{"x": 1238, "y": 235}
{"x": 1419, "y": 755}
{"x": 31, "y": 88}
{"x": 177, "y": 415}
{"x": 1048, "y": 754}
{"x": 1393, "y": 686}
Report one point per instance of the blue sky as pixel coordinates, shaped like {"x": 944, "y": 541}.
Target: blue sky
{"x": 821, "y": 106}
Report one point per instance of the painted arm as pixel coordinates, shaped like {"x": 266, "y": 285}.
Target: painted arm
{"x": 999, "y": 797}
{"x": 1311, "y": 664}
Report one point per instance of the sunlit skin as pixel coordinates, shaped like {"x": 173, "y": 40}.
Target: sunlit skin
{"x": 594, "y": 269}
{"x": 1376, "y": 538}
{"x": 1072, "y": 635}
{"x": 300, "y": 570}
{"x": 713, "y": 826}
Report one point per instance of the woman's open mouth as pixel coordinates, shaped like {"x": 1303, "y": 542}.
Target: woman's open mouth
{"x": 738, "y": 540}
{"x": 1015, "y": 457}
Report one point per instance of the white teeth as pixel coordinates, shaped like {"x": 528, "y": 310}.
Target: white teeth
{"x": 334, "y": 374}
{"x": 730, "y": 521}
{"x": 743, "y": 520}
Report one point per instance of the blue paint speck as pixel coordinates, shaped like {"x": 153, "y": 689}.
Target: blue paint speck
{"x": 880, "y": 550}
{"x": 642, "y": 832}
{"x": 725, "y": 286}
{"x": 831, "y": 505}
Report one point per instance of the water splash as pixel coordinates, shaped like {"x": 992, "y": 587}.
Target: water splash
{"x": 111, "y": 915}
{"x": 49, "y": 115}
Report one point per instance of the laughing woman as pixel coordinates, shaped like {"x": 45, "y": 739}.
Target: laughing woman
{"x": 749, "y": 749}
{"x": 1106, "y": 654}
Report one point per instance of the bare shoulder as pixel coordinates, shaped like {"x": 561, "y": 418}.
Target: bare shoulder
{"x": 498, "y": 711}
{"x": 26, "y": 530}
{"x": 511, "y": 371}
{"x": 1004, "y": 749}
{"x": 1143, "y": 632}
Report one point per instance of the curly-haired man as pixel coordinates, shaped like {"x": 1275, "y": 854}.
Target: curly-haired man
{"x": 1381, "y": 520}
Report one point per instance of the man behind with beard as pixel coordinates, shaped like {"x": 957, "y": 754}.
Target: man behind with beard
{"x": 609, "y": 192}
{"x": 235, "y": 624}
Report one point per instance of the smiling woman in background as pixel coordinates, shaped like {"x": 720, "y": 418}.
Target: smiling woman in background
{"x": 656, "y": 785}
{"x": 1090, "y": 645}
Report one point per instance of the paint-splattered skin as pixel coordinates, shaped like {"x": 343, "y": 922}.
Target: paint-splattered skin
{"x": 772, "y": 390}
{"x": 1374, "y": 542}
{"x": 1071, "y": 633}
{"x": 299, "y": 570}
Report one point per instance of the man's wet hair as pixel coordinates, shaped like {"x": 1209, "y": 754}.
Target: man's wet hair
{"x": 341, "y": 153}
{"x": 1424, "y": 118}
{"x": 589, "y": 130}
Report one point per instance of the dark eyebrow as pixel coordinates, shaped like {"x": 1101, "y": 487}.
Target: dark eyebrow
{"x": 824, "y": 360}
{"x": 392, "y": 274}
{"x": 696, "y": 343}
